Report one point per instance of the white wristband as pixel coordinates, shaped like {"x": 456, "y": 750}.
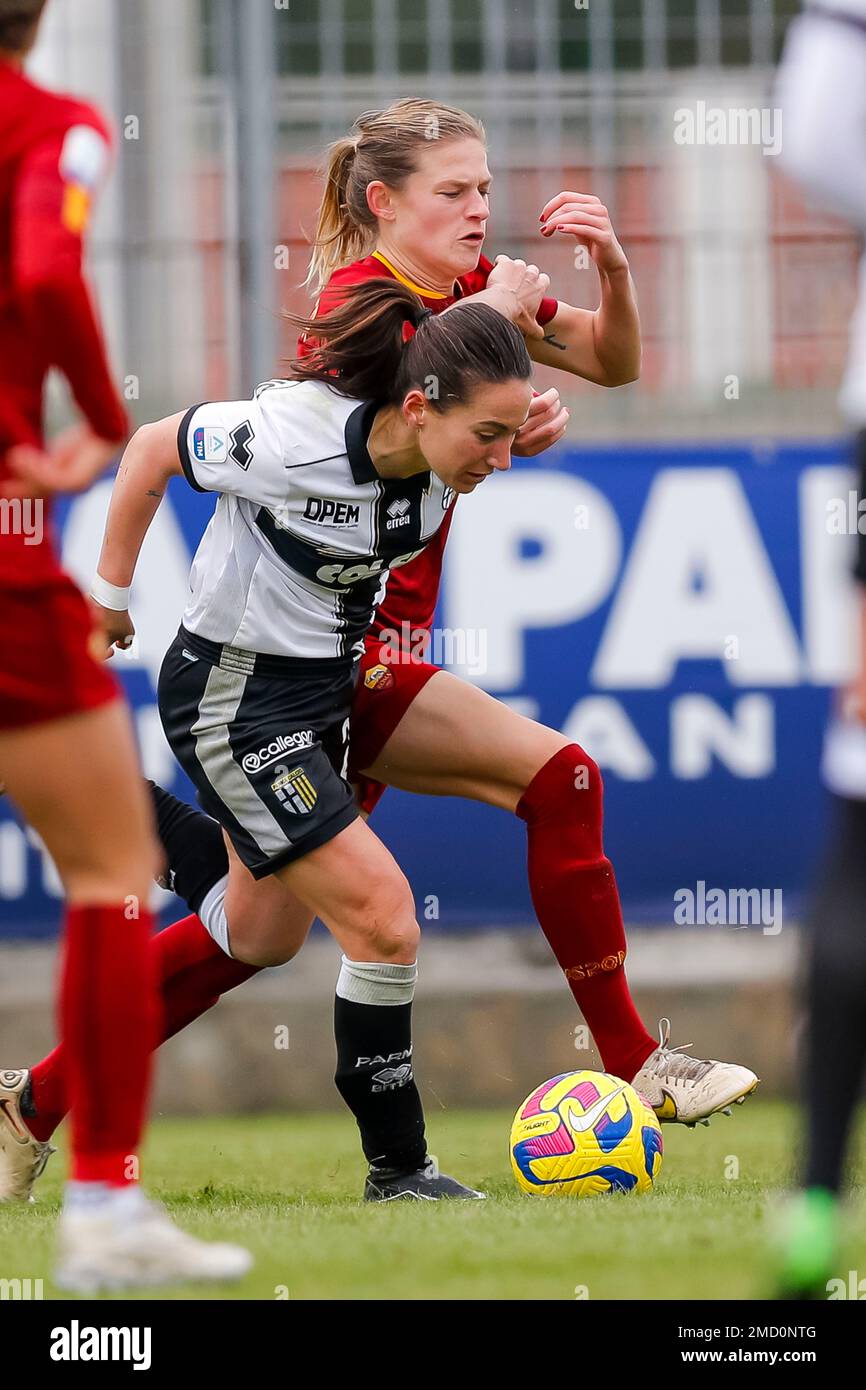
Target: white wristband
{"x": 109, "y": 595}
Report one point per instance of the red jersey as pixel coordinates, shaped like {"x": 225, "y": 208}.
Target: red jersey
{"x": 413, "y": 589}
{"x": 53, "y": 152}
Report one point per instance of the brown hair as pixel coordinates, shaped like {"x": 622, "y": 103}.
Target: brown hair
{"x": 381, "y": 145}
{"x": 361, "y": 349}
{"x": 19, "y": 20}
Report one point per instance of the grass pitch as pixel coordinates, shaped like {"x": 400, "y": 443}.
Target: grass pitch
{"x": 289, "y": 1187}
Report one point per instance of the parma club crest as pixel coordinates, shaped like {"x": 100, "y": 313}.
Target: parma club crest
{"x": 296, "y": 792}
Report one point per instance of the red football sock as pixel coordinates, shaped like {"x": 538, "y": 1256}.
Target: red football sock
{"x": 107, "y": 1022}
{"x": 191, "y": 973}
{"x": 575, "y": 897}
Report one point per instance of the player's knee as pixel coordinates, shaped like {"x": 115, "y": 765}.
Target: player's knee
{"x": 263, "y": 953}
{"x": 263, "y": 957}
{"x": 382, "y": 925}
{"x": 90, "y": 869}
{"x": 568, "y": 787}
{"x": 271, "y": 937}
{"x": 584, "y": 772}
{"x": 387, "y": 938}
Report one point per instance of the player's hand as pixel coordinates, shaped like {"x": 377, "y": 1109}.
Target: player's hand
{"x": 528, "y": 285}
{"x": 111, "y": 629}
{"x": 75, "y": 459}
{"x": 546, "y": 424}
{"x": 585, "y": 217}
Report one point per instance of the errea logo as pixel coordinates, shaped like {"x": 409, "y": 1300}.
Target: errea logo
{"x": 398, "y": 512}
{"x": 241, "y": 437}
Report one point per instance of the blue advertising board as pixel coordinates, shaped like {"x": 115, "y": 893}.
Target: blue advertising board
{"x": 681, "y": 611}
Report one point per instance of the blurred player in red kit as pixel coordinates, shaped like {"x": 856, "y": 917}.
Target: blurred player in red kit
{"x": 67, "y": 753}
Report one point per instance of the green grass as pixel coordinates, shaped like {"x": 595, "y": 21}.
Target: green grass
{"x": 288, "y": 1187}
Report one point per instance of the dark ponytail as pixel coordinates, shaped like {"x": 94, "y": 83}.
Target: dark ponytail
{"x": 360, "y": 348}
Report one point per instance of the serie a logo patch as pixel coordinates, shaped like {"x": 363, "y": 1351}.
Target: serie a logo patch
{"x": 296, "y": 792}
{"x": 210, "y": 444}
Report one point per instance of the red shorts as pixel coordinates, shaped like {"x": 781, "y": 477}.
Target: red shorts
{"x": 46, "y": 671}
{"x": 384, "y": 692}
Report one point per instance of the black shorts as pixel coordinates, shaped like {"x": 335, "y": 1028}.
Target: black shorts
{"x": 264, "y": 741}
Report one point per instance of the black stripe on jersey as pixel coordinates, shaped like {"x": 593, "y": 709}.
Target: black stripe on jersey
{"x": 322, "y": 564}
{"x": 183, "y": 451}
{"x": 339, "y": 624}
{"x": 355, "y": 616}
{"x": 375, "y": 538}
{"x": 398, "y": 523}
{"x": 356, "y": 432}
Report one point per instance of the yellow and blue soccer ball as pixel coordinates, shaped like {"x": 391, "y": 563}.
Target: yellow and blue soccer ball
{"x": 583, "y": 1133}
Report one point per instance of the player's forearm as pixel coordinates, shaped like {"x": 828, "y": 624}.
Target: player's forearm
{"x": 616, "y": 329}
{"x": 149, "y": 461}
{"x": 603, "y": 347}
{"x": 501, "y": 298}
{"x": 60, "y": 314}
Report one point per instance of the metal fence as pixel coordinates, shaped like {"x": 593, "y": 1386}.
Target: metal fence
{"x": 235, "y": 99}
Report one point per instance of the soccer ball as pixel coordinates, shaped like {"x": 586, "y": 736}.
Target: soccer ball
{"x": 582, "y": 1133}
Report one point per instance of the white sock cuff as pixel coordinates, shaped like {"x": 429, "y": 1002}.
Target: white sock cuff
{"x": 374, "y": 982}
{"x": 213, "y": 914}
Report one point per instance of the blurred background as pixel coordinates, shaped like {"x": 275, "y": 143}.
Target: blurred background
{"x": 666, "y": 586}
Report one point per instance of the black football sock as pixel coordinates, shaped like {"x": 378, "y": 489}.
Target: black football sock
{"x": 836, "y": 996}
{"x": 195, "y": 851}
{"x": 374, "y": 1061}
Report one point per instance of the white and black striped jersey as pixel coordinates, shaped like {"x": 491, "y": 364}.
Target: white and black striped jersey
{"x": 305, "y": 532}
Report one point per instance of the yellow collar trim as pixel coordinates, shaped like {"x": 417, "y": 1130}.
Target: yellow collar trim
{"x": 410, "y": 284}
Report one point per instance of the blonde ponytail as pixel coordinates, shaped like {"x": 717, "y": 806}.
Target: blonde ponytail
{"x": 338, "y": 239}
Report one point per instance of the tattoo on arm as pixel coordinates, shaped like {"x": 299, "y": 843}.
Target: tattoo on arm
{"x": 153, "y": 492}
{"x": 554, "y": 342}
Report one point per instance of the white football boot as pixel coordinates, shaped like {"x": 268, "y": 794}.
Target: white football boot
{"x": 685, "y": 1090}
{"x": 133, "y": 1243}
{"x": 22, "y": 1158}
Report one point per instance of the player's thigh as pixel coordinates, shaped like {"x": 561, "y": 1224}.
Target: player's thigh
{"x": 267, "y": 923}
{"x": 78, "y": 782}
{"x": 266, "y": 755}
{"x": 357, "y": 888}
{"x": 456, "y": 740}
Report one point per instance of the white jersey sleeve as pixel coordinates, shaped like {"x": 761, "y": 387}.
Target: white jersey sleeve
{"x": 235, "y": 447}
{"x": 821, "y": 88}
